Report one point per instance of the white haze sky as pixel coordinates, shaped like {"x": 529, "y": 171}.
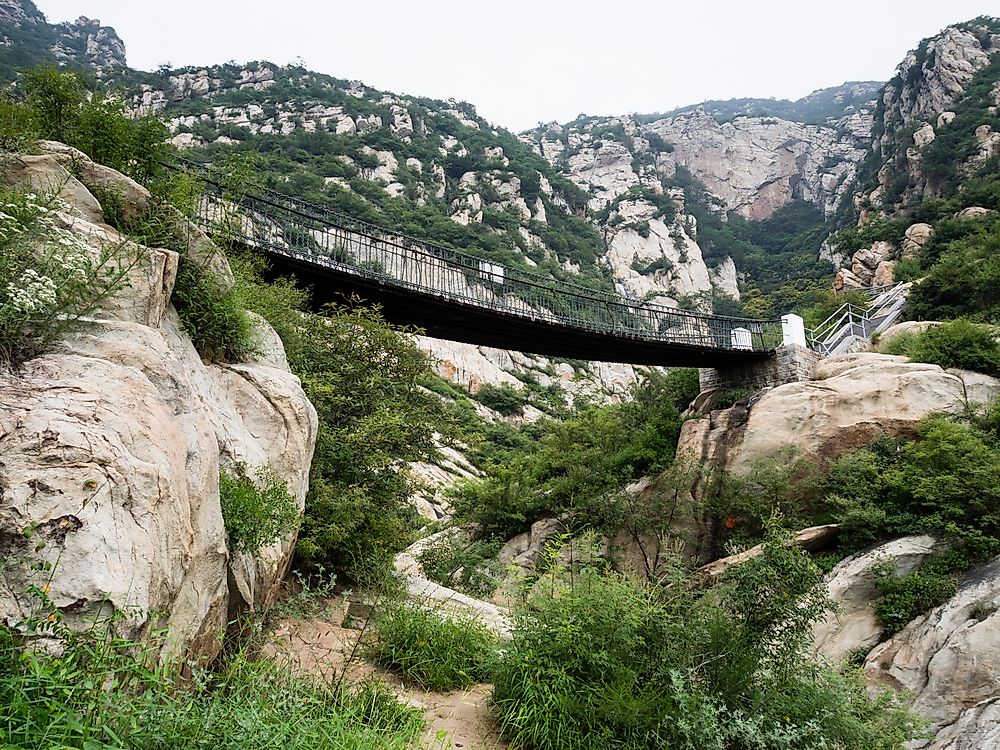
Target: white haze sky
{"x": 527, "y": 61}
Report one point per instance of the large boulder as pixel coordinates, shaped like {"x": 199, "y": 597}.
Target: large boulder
{"x": 917, "y": 235}
{"x": 111, "y": 450}
{"x": 853, "y": 399}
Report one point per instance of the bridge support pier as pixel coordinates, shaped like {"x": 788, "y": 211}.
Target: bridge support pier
{"x": 792, "y": 362}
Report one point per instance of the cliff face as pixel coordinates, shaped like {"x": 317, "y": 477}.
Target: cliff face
{"x": 753, "y": 165}
{"x": 112, "y": 447}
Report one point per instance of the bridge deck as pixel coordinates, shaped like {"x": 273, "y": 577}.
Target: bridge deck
{"x": 459, "y": 297}
{"x": 453, "y": 321}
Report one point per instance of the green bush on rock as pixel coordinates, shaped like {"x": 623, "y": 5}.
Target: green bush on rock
{"x": 50, "y": 278}
{"x": 958, "y": 343}
{"x": 256, "y": 513}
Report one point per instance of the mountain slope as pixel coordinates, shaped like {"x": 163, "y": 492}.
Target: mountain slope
{"x": 27, "y": 38}
{"x": 927, "y": 197}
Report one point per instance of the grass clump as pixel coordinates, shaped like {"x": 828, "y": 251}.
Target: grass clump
{"x": 256, "y": 513}
{"x": 99, "y": 691}
{"x": 433, "y": 650}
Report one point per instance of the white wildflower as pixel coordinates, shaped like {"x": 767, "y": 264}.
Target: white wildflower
{"x": 32, "y": 293}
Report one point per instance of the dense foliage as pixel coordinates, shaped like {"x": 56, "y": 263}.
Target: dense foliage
{"x": 946, "y": 482}
{"x": 578, "y": 464}
{"x": 57, "y": 105}
{"x": 364, "y": 379}
{"x": 601, "y": 660}
{"x": 961, "y": 272}
{"x": 257, "y": 510}
{"x": 958, "y": 343}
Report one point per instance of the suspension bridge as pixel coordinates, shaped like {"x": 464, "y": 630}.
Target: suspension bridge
{"x": 460, "y": 297}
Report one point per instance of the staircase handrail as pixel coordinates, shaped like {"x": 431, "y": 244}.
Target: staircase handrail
{"x": 887, "y": 302}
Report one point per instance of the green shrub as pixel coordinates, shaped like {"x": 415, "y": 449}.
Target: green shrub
{"x": 600, "y": 660}
{"x": 958, "y": 343}
{"x": 100, "y": 691}
{"x": 364, "y": 379}
{"x": 433, "y": 650}
{"x": 63, "y": 110}
{"x": 505, "y": 398}
{"x": 729, "y": 397}
{"x": 212, "y": 313}
{"x": 259, "y": 513}
{"x": 907, "y": 597}
{"x": 965, "y": 281}
{"x": 50, "y": 278}
{"x": 578, "y": 464}
{"x": 18, "y": 132}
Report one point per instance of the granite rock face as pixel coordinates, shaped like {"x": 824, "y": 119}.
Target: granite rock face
{"x": 112, "y": 447}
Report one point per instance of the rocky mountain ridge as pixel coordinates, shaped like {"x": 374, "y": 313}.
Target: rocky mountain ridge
{"x": 821, "y": 107}
{"x": 26, "y": 38}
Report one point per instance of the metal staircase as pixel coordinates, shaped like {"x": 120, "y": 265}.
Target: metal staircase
{"x": 851, "y": 324}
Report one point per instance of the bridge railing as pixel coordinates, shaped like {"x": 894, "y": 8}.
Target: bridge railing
{"x": 280, "y": 225}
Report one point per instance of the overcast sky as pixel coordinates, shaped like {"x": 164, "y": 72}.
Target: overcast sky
{"x": 527, "y": 61}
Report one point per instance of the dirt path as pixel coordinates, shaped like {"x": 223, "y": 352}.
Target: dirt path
{"x": 323, "y": 647}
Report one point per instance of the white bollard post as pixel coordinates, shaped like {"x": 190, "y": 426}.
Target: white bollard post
{"x": 793, "y": 330}
{"x": 742, "y": 338}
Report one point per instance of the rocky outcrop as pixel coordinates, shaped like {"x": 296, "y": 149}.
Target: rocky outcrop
{"x": 945, "y": 663}
{"x": 112, "y": 446}
{"x": 948, "y": 659}
{"x": 470, "y": 367}
{"x": 935, "y": 76}
{"x": 657, "y": 260}
{"x": 86, "y": 41}
{"x": 852, "y": 628}
{"x": 852, "y": 399}
{"x": 871, "y": 266}
{"x": 949, "y": 663}
{"x": 921, "y": 101}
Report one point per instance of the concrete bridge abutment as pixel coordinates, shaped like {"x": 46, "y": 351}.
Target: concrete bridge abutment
{"x": 792, "y": 362}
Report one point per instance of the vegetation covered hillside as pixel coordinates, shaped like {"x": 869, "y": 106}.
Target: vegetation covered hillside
{"x": 928, "y": 195}
{"x": 823, "y": 106}
{"x": 26, "y": 38}
{"x": 431, "y": 169}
